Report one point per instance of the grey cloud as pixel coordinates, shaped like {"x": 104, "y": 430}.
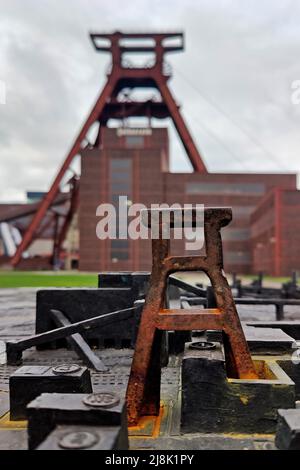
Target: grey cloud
{"x": 241, "y": 54}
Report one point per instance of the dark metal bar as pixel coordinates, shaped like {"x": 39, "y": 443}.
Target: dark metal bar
{"x": 14, "y": 348}
{"x": 174, "y": 281}
{"x": 278, "y": 303}
{"x": 279, "y": 311}
{"x": 78, "y": 343}
{"x": 245, "y": 301}
{"x": 248, "y": 301}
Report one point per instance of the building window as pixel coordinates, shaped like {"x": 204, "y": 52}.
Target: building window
{"x": 120, "y": 244}
{"x": 120, "y": 164}
{"x": 237, "y": 257}
{"x": 236, "y": 234}
{"x": 119, "y": 255}
{"x": 242, "y": 212}
{"x": 243, "y": 189}
{"x": 120, "y": 185}
{"x": 136, "y": 141}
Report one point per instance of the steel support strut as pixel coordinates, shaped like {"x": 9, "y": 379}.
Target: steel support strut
{"x": 14, "y": 349}
{"x": 143, "y": 392}
{"x": 53, "y": 191}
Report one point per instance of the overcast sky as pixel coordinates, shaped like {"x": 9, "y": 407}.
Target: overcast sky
{"x": 233, "y": 81}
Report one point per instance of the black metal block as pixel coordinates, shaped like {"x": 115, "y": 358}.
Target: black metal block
{"x": 79, "y": 437}
{"x": 120, "y": 279}
{"x": 81, "y": 304}
{"x": 266, "y": 341}
{"x": 290, "y": 327}
{"x": 49, "y": 410}
{"x": 212, "y": 402}
{"x": 290, "y": 365}
{"x": 115, "y": 279}
{"x": 288, "y": 430}
{"x": 29, "y": 382}
{"x": 177, "y": 340}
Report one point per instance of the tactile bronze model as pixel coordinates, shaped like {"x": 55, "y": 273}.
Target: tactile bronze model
{"x": 143, "y": 392}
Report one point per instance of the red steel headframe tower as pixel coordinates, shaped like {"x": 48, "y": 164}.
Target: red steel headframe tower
{"x": 123, "y": 76}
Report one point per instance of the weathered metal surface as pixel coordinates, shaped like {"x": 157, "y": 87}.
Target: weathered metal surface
{"x": 102, "y": 400}
{"x": 288, "y": 430}
{"x": 29, "y": 382}
{"x": 290, "y": 327}
{"x": 143, "y": 392}
{"x": 202, "y": 345}
{"x": 82, "y": 304}
{"x": 52, "y": 409}
{"x": 213, "y": 403}
{"x": 14, "y": 349}
{"x": 65, "y": 369}
{"x": 78, "y": 343}
{"x": 78, "y": 440}
{"x": 268, "y": 341}
{"x": 262, "y": 341}
{"x": 80, "y": 437}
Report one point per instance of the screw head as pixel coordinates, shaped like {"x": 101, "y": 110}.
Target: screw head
{"x": 102, "y": 400}
{"x": 202, "y": 345}
{"x": 63, "y": 369}
{"x": 78, "y": 440}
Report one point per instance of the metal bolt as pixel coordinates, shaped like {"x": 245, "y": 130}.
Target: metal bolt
{"x": 65, "y": 369}
{"x": 78, "y": 440}
{"x": 202, "y": 345}
{"x": 101, "y": 400}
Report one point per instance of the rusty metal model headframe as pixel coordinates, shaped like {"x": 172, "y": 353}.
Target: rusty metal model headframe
{"x": 143, "y": 392}
{"x": 122, "y": 76}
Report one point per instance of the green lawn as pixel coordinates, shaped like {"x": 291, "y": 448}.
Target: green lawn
{"x": 9, "y": 279}
{"x": 46, "y": 279}
{"x": 280, "y": 280}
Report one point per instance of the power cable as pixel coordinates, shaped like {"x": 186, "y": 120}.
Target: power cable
{"x": 212, "y": 103}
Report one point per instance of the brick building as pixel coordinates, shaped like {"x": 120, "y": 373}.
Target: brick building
{"x": 135, "y": 163}
{"x": 275, "y": 229}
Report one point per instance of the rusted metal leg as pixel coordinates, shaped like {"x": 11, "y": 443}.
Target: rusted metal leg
{"x": 143, "y": 391}
{"x": 151, "y": 400}
{"x": 141, "y": 363}
{"x": 239, "y": 361}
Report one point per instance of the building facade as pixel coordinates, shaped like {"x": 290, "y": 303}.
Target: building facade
{"x": 135, "y": 163}
{"x": 275, "y": 229}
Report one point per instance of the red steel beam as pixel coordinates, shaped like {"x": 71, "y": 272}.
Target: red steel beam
{"x": 184, "y": 134}
{"x": 68, "y": 218}
{"x": 49, "y": 197}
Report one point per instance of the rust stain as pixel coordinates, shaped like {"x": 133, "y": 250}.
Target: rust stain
{"x": 144, "y": 422}
{"x": 6, "y": 423}
{"x": 244, "y": 399}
